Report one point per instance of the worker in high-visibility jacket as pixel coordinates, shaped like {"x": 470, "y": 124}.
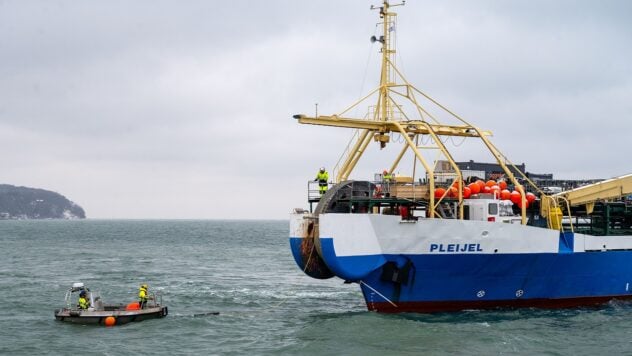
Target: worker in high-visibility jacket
{"x": 387, "y": 179}
{"x": 83, "y": 302}
{"x": 322, "y": 177}
{"x": 142, "y": 295}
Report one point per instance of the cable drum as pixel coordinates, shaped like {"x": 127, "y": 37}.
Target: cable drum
{"x": 335, "y": 200}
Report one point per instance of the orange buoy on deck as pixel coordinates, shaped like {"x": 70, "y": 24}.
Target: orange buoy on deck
{"x": 526, "y": 204}
{"x": 474, "y": 188}
{"x": 467, "y": 192}
{"x": 490, "y": 183}
{"x": 481, "y": 184}
{"x": 515, "y": 197}
{"x": 439, "y": 192}
{"x": 505, "y": 194}
{"x": 110, "y": 321}
{"x": 530, "y": 197}
{"x": 502, "y": 184}
{"x": 133, "y": 306}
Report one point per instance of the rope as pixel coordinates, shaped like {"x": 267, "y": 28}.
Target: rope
{"x": 378, "y": 293}
{"x": 304, "y": 269}
{"x": 366, "y": 69}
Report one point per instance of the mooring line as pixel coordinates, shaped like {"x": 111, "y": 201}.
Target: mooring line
{"x": 378, "y": 293}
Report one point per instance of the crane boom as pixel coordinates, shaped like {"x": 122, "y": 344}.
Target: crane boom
{"x": 605, "y": 190}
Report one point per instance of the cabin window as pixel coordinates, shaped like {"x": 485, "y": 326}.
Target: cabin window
{"x": 493, "y": 209}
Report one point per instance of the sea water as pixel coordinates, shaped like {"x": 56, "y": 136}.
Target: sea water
{"x": 244, "y": 270}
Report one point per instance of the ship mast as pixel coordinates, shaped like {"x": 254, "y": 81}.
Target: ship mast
{"x": 388, "y": 56}
{"x": 389, "y": 116}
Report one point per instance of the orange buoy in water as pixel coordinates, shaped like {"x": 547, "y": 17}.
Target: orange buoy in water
{"x": 490, "y": 183}
{"x": 530, "y": 197}
{"x": 439, "y": 192}
{"x": 502, "y": 184}
{"x": 515, "y": 197}
{"x": 467, "y": 192}
{"x": 474, "y": 188}
{"x": 133, "y": 306}
{"x": 505, "y": 194}
{"x": 110, "y": 321}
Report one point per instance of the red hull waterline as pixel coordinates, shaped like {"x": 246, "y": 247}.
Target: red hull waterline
{"x": 459, "y": 305}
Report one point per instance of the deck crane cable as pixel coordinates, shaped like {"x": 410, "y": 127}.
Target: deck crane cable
{"x": 366, "y": 68}
{"x": 457, "y": 144}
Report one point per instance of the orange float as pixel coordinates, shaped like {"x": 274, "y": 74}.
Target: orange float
{"x": 490, "y": 183}
{"x": 439, "y": 192}
{"x": 502, "y": 184}
{"x": 453, "y": 192}
{"x": 133, "y": 306}
{"x": 494, "y": 189}
{"x": 519, "y": 204}
{"x": 110, "y": 321}
{"x": 530, "y": 197}
{"x": 467, "y": 192}
{"x": 474, "y": 188}
{"x": 481, "y": 184}
{"x": 515, "y": 197}
{"x": 505, "y": 194}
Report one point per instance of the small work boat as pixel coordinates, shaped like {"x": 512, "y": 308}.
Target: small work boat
{"x": 99, "y": 313}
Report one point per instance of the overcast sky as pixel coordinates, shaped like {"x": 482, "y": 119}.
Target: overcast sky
{"x": 183, "y": 109}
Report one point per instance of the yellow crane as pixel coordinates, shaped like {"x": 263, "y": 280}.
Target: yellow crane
{"x": 388, "y": 114}
{"x": 588, "y": 195}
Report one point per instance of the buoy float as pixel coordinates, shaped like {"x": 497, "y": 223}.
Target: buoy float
{"x": 505, "y": 194}
{"x": 515, "y": 197}
{"x": 467, "y": 192}
{"x": 502, "y": 184}
{"x": 519, "y": 204}
{"x": 133, "y": 306}
{"x": 490, "y": 183}
{"x": 474, "y": 188}
{"x": 481, "y": 184}
{"x": 494, "y": 189}
{"x": 453, "y": 192}
{"x": 439, "y": 192}
{"x": 487, "y": 189}
{"x": 110, "y": 321}
{"x": 530, "y": 197}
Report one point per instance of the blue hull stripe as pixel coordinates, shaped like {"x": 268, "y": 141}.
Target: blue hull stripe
{"x": 489, "y": 277}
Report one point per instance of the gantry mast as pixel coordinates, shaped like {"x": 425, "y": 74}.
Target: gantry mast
{"x": 390, "y": 116}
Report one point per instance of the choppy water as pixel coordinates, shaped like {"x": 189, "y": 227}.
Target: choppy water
{"x": 244, "y": 270}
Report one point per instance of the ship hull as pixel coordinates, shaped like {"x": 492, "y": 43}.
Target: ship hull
{"x": 435, "y": 266}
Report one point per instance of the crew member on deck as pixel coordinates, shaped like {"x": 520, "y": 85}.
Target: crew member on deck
{"x": 83, "y": 302}
{"x": 142, "y": 295}
{"x": 387, "y": 179}
{"x": 322, "y": 177}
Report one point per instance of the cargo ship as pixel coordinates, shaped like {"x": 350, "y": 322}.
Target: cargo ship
{"x": 415, "y": 243}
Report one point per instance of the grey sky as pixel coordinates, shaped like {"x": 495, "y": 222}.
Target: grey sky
{"x": 171, "y": 109}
